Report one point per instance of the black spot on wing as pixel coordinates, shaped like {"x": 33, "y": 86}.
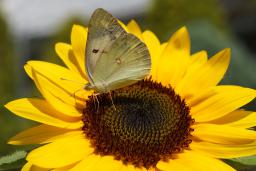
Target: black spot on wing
{"x": 95, "y": 50}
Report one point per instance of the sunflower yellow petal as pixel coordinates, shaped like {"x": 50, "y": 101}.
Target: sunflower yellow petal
{"x": 61, "y": 153}
{"x": 199, "y": 162}
{"x": 59, "y": 96}
{"x": 68, "y": 86}
{"x": 208, "y": 75}
{"x": 65, "y": 168}
{"x": 196, "y": 61}
{"x": 107, "y": 163}
{"x": 30, "y": 167}
{"x": 134, "y": 29}
{"x": 247, "y": 122}
{"x": 78, "y": 41}
{"x": 87, "y": 163}
{"x": 41, "y": 134}
{"x": 172, "y": 165}
{"x": 198, "y": 58}
{"x": 27, "y": 167}
{"x": 238, "y": 118}
{"x": 154, "y": 47}
{"x": 52, "y": 70}
{"x": 224, "y": 151}
{"x": 155, "y": 63}
{"x": 40, "y": 111}
{"x": 65, "y": 52}
{"x": 132, "y": 168}
{"x": 223, "y": 134}
{"x": 180, "y": 40}
{"x": 219, "y": 101}
{"x": 174, "y": 60}
{"x": 95, "y": 162}
{"x": 62, "y": 79}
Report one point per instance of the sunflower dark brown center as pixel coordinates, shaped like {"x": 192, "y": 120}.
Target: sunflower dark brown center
{"x": 142, "y": 124}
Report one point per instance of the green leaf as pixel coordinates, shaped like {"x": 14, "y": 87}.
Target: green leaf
{"x": 250, "y": 160}
{"x": 13, "y": 161}
{"x": 243, "y": 163}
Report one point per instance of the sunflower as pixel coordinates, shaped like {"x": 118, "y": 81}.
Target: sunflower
{"x": 176, "y": 119}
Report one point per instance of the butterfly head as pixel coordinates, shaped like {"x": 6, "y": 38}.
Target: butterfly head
{"x": 88, "y": 86}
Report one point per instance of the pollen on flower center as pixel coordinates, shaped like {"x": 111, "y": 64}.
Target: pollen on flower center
{"x": 145, "y": 122}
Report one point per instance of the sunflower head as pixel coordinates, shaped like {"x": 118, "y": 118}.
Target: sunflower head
{"x": 178, "y": 118}
{"x": 142, "y": 124}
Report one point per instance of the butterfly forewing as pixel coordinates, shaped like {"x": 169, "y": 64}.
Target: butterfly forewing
{"x": 103, "y": 30}
{"x": 127, "y": 62}
{"x": 115, "y": 58}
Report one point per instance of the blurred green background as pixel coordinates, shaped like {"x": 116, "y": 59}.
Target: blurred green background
{"x": 213, "y": 25}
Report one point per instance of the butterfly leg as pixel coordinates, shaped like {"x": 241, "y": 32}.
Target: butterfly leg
{"x": 96, "y": 99}
{"x": 112, "y": 101}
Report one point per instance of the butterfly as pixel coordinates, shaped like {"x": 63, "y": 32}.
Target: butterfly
{"x": 114, "y": 58}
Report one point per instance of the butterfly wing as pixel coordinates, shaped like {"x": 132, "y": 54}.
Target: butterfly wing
{"x": 103, "y": 30}
{"x": 121, "y": 60}
{"x": 127, "y": 62}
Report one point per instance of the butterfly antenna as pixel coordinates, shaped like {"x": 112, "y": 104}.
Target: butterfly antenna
{"x": 74, "y": 94}
{"x": 96, "y": 99}
{"x": 71, "y": 81}
{"x": 112, "y": 101}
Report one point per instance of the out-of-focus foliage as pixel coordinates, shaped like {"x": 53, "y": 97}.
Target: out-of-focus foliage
{"x": 13, "y": 161}
{"x": 209, "y": 31}
{"x": 7, "y": 62}
{"x": 166, "y": 16}
{"x": 242, "y": 164}
{"x": 9, "y": 124}
{"x": 242, "y": 17}
{"x": 206, "y": 36}
{"x": 63, "y": 35}
{"x": 7, "y": 81}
